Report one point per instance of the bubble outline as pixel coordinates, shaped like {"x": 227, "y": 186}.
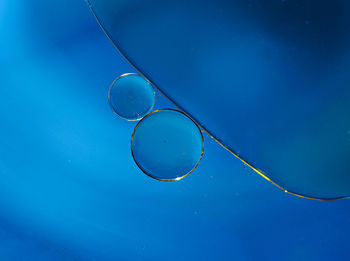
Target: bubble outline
{"x": 148, "y": 83}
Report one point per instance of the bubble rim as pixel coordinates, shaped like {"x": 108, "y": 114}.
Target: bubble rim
{"x": 148, "y": 83}
{"x": 148, "y": 174}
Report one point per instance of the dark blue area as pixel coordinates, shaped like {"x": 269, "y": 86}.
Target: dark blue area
{"x": 69, "y": 189}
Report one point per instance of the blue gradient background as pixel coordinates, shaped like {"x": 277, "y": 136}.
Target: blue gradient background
{"x": 69, "y": 189}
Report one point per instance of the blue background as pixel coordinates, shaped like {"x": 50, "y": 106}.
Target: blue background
{"x": 69, "y": 189}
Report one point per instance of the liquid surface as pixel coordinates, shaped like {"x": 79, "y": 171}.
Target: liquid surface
{"x": 131, "y": 97}
{"x": 268, "y": 79}
{"x": 70, "y": 190}
{"x": 167, "y": 145}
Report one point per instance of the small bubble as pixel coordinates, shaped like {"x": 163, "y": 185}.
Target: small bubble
{"x": 131, "y": 97}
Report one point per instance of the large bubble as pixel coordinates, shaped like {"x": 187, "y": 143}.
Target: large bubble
{"x": 269, "y": 80}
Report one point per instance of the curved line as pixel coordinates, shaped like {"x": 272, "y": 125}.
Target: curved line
{"x": 177, "y": 178}
{"x": 206, "y": 131}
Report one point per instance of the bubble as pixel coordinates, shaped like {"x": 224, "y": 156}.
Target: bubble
{"x": 278, "y": 99}
{"x": 131, "y": 97}
{"x": 167, "y": 145}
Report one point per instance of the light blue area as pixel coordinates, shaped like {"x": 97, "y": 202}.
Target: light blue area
{"x": 167, "y": 145}
{"x": 131, "y": 97}
{"x": 70, "y": 190}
